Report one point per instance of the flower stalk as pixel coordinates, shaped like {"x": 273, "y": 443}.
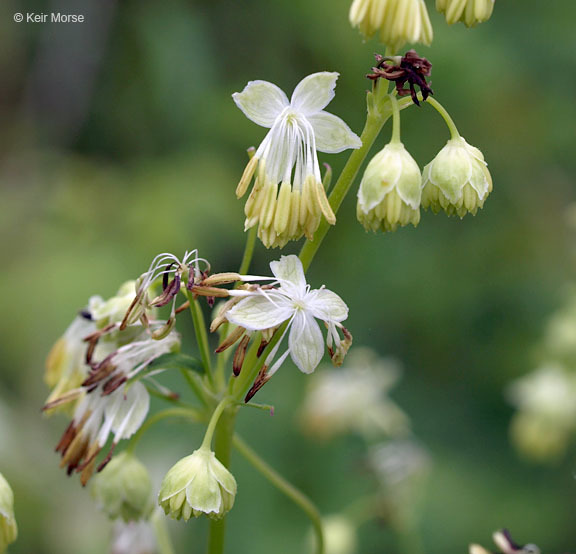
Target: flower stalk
{"x": 299, "y": 498}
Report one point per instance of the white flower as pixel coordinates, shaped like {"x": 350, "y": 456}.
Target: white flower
{"x": 292, "y": 301}
{"x": 546, "y": 417}
{"x": 66, "y": 365}
{"x": 354, "y": 398}
{"x": 402, "y": 467}
{"x": 197, "y": 484}
{"x": 106, "y": 406}
{"x": 96, "y": 417}
{"x": 288, "y": 198}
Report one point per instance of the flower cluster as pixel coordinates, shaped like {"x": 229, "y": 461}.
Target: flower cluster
{"x": 393, "y": 190}
{"x": 288, "y": 199}
{"x": 95, "y": 368}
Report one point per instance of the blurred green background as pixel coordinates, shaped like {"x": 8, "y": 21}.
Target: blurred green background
{"x": 119, "y": 139}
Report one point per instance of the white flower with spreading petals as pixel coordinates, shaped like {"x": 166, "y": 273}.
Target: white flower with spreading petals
{"x": 288, "y": 198}
{"x": 292, "y": 301}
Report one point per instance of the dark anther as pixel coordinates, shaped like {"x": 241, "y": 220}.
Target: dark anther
{"x": 410, "y": 68}
{"x": 170, "y": 291}
{"x": 166, "y": 276}
{"x": 190, "y": 283}
{"x": 210, "y": 300}
{"x": 86, "y": 314}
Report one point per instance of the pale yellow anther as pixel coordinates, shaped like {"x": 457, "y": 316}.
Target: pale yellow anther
{"x": 283, "y": 205}
{"x": 246, "y": 177}
{"x": 324, "y": 204}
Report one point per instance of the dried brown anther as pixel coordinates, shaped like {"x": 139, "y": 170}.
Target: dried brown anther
{"x": 410, "y": 68}
{"x": 260, "y": 381}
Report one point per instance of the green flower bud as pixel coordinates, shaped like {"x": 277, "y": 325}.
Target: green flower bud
{"x": 198, "y": 484}
{"x": 390, "y": 190}
{"x": 470, "y": 12}
{"x": 123, "y": 488}
{"x": 8, "y": 528}
{"x": 457, "y": 180}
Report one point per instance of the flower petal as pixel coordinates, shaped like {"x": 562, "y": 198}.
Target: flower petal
{"x": 289, "y": 269}
{"x": 203, "y": 492}
{"x": 327, "y": 305}
{"x": 332, "y": 134}
{"x": 131, "y": 412}
{"x": 314, "y": 92}
{"x": 306, "y": 342}
{"x": 256, "y": 313}
{"x": 261, "y": 102}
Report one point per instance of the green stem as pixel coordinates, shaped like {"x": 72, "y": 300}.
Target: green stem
{"x": 248, "y": 250}
{"x": 163, "y": 540}
{"x": 445, "y": 115}
{"x": 207, "y": 442}
{"x": 201, "y": 336}
{"x": 378, "y": 112}
{"x": 222, "y": 448}
{"x": 244, "y": 266}
{"x": 395, "y": 120}
{"x": 299, "y": 498}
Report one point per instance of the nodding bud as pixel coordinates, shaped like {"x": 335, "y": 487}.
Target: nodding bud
{"x": 123, "y": 489}
{"x": 457, "y": 180}
{"x": 239, "y": 355}
{"x": 198, "y": 484}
